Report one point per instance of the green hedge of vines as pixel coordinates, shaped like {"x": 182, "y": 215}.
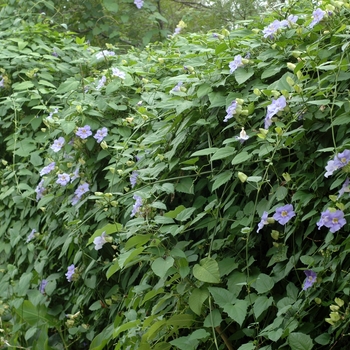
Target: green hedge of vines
{"x": 192, "y": 195}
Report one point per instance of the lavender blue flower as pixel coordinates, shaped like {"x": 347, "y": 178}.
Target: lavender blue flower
{"x": 70, "y": 273}
{"x": 317, "y": 15}
{"x": 177, "y": 30}
{"x": 138, "y": 3}
{"x": 263, "y": 221}
{"x": 331, "y": 167}
{"x": 63, "y": 179}
{"x": 136, "y": 207}
{"x": 58, "y": 144}
{"x": 272, "y": 29}
{"x": 101, "y": 82}
{"x": 2, "y": 83}
{"x": 276, "y": 106}
{"x": 118, "y": 73}
{"x": 42, "y": 286}
{"x": 242, "y": 136}
{"x": 99, "y": 241}
{"x": 75, "y": 175}
{"x": 344, "y": 188}
{"x": 177, "y": 87}
{"x": 133, "y": 178}
{"x": 237, "y": 62}
{"x": 332, "y": 219}
{"x": 104, "y": 53}
{"x": 311, "y": 278}
{"x": 84, "y": 132}
{"x": 231, "y": 110}
{"x": 31, "y": 235}
{"x": 40, "y": 189}
{"x": 82, "y": 189}
{"x": 47, "y": 169}
{"x": 284, "y": 214}
{"x": 101, "y": 134}
{"x": 342, "y": 159}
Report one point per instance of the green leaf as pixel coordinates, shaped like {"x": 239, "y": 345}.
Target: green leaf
{"x": 238, "y": 311}
{"x": 221, "y": 296}
{"x": 323, "y": 339}
{"x": 138, "y": 240}
{"x": 261, "y": 304}
{"x": 196, "y": 300}
{"x": 223, "y": 153}
{"x": 241, "y": 157}
{"x": 112, "y": 269}
{"x": 70, "y": 85}
{"x": 248, "y": 346}
{"x": 281, "y": 193}
{"x": 204, "y": 152}
{"x": 185, "y": 214}
{"x": 161, "y": 266}
{"x": 221, "y": 179}
{"x": 263, "y": 284}
{"x": 300, "y": 341}
{"x": 173, "y": 213}
{"x": 213, "y": 319}
{"x": 242, "y": 75}
{"x": 207, "y": 271}
{"x": 23, "y": 86}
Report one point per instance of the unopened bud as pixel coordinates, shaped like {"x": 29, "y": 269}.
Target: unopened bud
{"x": 291, "y": 66}
{"x": 242, "y": 177}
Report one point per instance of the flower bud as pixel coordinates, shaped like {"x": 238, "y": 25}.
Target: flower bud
{"x": 104, "y": 145}
{"x": 160, "y": 60}
{"x": 334, "y": 307}
{"x": 242, "y": 177}
{"x": 290, "y": 81}
{"x": 275, "y": 235}
{"x": 239, "y": 101}
{"x": 291, "y": 66}
{"x": 339, "y": 301}
{"x": 257, "y": 92}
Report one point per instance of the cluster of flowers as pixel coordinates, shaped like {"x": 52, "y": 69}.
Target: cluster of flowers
{"x": 273, "y": 27}
{"x": 104, "y": 53}
{"x": 115, "y": 73}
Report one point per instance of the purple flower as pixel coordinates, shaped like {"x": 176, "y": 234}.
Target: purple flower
{"x": 118, "y": 73}
{"x": 136, "y": 207}
{"x": 31, "y": 235}
{"x": 237, "y": 62}
{"x": 344, "y": 188}
{"x": 330, "y": 167}
{"x": 2, "y": 83}
{"x": 332, "y": 219}
{"x": 101, "y": 82}
{"x": 242, "y": 136}
{"x": 70, "y": 273}
{"x": 75, "y": 175}
{"x": 58, "y": 144}
{"x": 263, "y": 221}
{"x": 311, "y": 277}
{"x": 63, "y": 179}
{"x": 272, "y": 109}
{"x": 47, "y": 169}
{"x": 42, "y": 286}
{"x": 177, "y": 87}
{"x": 231, "y": 110}
{"x": 271, "y": 29}
{"x": 342, "y": 159}
{"x": 100, "y": 241}
{"x": 75, "y": 200}
{"x": 40, "y": 189}
{"x": 84, "y": 132}
{"x": 317, "y": 15}
{"x": 82, "y": 189}
{"x": 284, "y": 214}
{"x": 101, "y": 134}
{"x": 133, "y": 178}
{"x": 177, "y": 30}
{"x": 104, "y": 53}
{"x": 138, "y": 3}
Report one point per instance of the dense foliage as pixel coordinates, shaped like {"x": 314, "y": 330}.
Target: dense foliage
{"x": 191, "y": 195}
